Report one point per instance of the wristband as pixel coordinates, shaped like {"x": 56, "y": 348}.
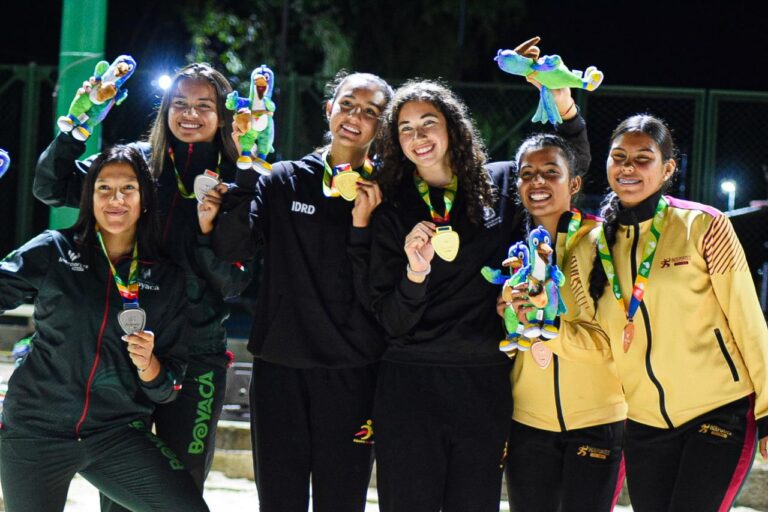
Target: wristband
{"x": 416, "y": 272}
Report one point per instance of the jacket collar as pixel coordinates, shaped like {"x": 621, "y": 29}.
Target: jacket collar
{"x": 640, "y": 212}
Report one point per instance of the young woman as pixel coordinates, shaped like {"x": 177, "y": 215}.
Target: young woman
{"x": 316, "y": 348}
{"x": 568, "y": 417}
{"x": 686, "y": 331}
{"x": 443, "y": 399}
{"x": 109, "y": 318}
{"x": 191, "y": 133}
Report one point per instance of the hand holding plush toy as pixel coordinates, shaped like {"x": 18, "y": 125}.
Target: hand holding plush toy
{"x": 97, "y": 96}
{"x": 550, "y": 72}
{"x": 517, "y": 259}
{"x": 5, "y": 162}
{"x": 254, "y": 119}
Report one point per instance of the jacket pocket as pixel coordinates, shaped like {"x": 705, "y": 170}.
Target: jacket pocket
{"x": 726, "y": 355}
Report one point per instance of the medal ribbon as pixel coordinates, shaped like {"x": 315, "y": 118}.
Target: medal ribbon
{"x": 643, "y": 272}
{"x": 179, "y": 184}
{"x": 366, "y": 171}
{"x": 573, "y": 227}
{"x": 129, "y": 292}
{"x": 449, "y": 195}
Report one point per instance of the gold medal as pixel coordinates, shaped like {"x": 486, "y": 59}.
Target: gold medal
{"x": 346, "y": 183}
{"x": 446, "y": 243}
{"x": 629, "y": 335}
{"x": 542, "y": 354}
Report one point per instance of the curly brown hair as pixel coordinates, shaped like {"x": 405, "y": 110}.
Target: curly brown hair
{"x": 466, "y": 148}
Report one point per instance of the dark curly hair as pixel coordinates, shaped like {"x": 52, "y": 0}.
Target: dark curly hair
{"x": 466, "y": 148}
{"x": 659, "y": 132}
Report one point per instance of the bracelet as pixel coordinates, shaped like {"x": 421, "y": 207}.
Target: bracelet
{"x": 142, "y": 370}
{"x": 419, "y": 273}
{"x": 569, "y": 109}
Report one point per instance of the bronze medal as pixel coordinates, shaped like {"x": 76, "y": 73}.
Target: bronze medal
{"x": 629, "y": 335}
{"x": 446, "y": 243}
{"x": 542, "y": 354}
{"x": 132, "y": 319}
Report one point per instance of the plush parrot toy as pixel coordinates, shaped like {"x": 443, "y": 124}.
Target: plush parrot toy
{"x": 97, "y": 96}
{"x": 254, "y": 117}
{"x": 5, "y": 162}
{"x": 544, "y": 279}
{"x": 551, "y": 73}
{"x": 517, "y": 258}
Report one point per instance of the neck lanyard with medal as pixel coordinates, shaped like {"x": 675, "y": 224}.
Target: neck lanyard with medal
{"x": 341, "y": 180}
{"x": 541, "y": 353}
{"x": 638, "y": 289}
{"x": 446, "y": 240}
{"x": 132, "y": 318}
{"x": 203, "y": 182}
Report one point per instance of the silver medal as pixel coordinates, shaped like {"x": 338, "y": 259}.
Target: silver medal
{"x": 203, "y": 183}
{"x": 132, "y": 320}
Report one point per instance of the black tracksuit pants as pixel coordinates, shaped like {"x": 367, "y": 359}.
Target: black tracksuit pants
{"x": 578, "y": 470}
{"x": 699, "y": 465}
{"x": 312, "y": 423}
{"x": 188, "y": 424}
{"x": 129, "y": 464}
{"x": 441, "y": 437}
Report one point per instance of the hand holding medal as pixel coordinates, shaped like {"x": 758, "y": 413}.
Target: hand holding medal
{"x": 367, "y": 199}
{"x": 419, "y": 250}
{"x": 209, "y": 207}
{"x": 141, "y": 345}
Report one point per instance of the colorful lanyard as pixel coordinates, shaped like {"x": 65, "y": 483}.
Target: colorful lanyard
{"x": 573, "y": 227}
{"x": 182, "y": 189}
{"x": 449, "y": 195}
{"x": 638, "y": 290}
{"x": 129, "y": 292}
{"x": 366, "y": 171}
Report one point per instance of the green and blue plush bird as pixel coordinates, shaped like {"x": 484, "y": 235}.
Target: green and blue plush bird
{"x": 551, "y": 73}
{"x": 5, "y": 162}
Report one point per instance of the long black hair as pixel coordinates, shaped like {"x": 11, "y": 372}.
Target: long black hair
{"x": 659, "y": 132}
{"x": 160, "y": 133}
{"x": 148, "y": 226}
{"x": 465, "y": 146}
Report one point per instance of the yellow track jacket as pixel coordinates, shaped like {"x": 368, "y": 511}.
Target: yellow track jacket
{"x": 700, "y": 337}
{"x": 569, "y": 395}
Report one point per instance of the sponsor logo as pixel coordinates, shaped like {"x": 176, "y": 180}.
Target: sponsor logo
{"x": 675, "y": 262}
{"x": 490, "y": 217}
{"x": 146, "y": 273}
{"x": 592, "y": 452}
{"x": 72, "y": 262}
{"x": 165, "y": 450}
{"x": 714, "y": 430}
{"x": 308, "y": 209}
{"x": 365, "y": 435}
{"x": 73, "y": 256}
{"x": 206, "y": 388}
{"x": 144, "y": 285}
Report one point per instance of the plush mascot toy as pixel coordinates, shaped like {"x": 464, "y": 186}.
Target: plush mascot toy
{"x": 517, "y": 259}
{"x": 5, "y": 162}
{"x": 544, "y": 279}
{"x": 253, "y": 116}
{"x": 551, "y": 73}
{"x": 97, "y": 96}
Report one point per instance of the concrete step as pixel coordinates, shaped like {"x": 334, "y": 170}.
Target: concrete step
{"x": 233, "y": 458}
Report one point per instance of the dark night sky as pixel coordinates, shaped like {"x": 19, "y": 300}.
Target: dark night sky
{"x": 655, "y": 43}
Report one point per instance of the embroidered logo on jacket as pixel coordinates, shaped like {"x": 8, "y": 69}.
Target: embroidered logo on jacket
{"x": 591, "y": 451}
{"x": 308, "y": 209}
{"x": 714, "y": 430}
{"x": 675, "y": 262}
{"x": 490, "y": 217}
{"x": 365, "y": 435}
{"x": 72, "y": 262}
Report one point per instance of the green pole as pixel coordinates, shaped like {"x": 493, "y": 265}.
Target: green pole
{"x": 83, "y": 30}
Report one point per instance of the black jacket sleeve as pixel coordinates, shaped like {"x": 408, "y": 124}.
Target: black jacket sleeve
{"x": 229, "y": 279}
{"x": 359, "y": 253}
{"x": 59, "y": 174}
{"x": 23, "y": 271}
{"x": 241, "y": 224}
{"x": 574, "y": 131}
{"x": 397, "y": 302}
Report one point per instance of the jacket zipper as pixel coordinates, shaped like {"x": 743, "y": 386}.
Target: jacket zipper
{"x": 647, "y": 320}
{"x": 726, "y": 355}
{"x": 558, "y": 401}
{"x": 177, "y": 193}
{"x": 96, "y": 359}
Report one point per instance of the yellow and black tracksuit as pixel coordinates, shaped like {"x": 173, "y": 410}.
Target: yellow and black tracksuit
{"x": 695, "y": 375}
{"x": 568, "y": 418}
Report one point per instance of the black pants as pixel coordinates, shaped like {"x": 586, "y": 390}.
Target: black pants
{"x": 312, "y": 422}
{"x": 699, "y": 465}
{"x": 441, "y": 437}
{"x": 129, "y": 464}
{"x": 188, "y": 424}
{"x": 573, "y": 471}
